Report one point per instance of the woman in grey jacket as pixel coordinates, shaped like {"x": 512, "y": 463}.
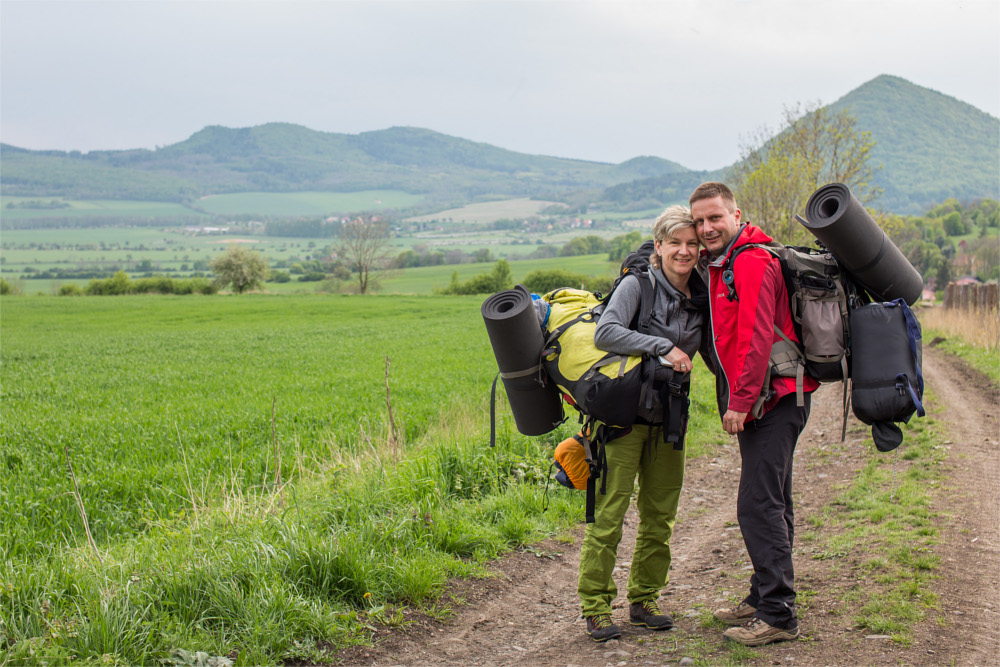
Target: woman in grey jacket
{"x": 675, "y": 334}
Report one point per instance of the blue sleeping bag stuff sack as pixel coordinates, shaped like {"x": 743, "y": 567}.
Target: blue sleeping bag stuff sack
{"x": 886, "y": 355}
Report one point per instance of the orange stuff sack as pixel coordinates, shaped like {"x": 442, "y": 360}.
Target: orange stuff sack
{"x": 571, "y": 460}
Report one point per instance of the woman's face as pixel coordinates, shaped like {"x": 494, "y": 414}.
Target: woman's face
{"x": 679, "y": 252}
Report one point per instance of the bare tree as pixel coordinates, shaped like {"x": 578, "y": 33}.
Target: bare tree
{"x": 364, "y": 245}
{"x": 777, "y": 173}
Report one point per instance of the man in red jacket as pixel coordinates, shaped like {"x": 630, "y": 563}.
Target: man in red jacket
{"x": 748, "y": 303}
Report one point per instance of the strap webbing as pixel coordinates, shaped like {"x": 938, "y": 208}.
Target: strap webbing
{"x": 519, "y": 374}
{"x": 913, "y": 335}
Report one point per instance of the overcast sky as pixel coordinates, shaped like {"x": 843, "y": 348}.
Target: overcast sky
{"x": 685, "y": 80}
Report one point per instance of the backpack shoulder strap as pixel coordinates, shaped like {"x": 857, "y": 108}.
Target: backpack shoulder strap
{"x": 645, "y": 313}
{"x": 728, "y": 277}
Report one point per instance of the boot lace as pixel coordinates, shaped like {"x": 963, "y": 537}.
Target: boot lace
{"x": 651, "y": 607}
{"x": 752, "y": 624}
{"x": 602, "y": 621}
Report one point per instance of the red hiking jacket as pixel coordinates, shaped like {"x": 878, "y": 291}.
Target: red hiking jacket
{"x": 743, "y": 329}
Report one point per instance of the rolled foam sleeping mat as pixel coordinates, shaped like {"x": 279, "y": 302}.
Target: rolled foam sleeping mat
{"x": 839, "y": 220}
{"x": 517, "y": 343}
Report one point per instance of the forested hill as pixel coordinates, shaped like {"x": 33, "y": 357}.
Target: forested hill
{"x": 280, "y": 157}
{"x": 931, "y": 146}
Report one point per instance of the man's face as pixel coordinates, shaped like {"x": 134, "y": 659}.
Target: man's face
{"x": 715, "y": 224}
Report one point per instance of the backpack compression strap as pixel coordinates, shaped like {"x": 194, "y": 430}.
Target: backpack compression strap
{"x": 912, "y": 335}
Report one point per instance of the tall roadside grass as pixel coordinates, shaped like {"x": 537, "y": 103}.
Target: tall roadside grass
{"x": 973, "y": 335}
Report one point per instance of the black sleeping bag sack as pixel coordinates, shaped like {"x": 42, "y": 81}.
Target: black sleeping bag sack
{"x": 886, "y": 355}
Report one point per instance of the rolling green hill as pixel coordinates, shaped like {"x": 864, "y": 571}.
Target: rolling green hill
{"x": 280, "y": 157}
{"x": 931, "y": 146}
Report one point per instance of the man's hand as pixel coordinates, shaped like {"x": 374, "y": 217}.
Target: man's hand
{"x": 732, "y": 421}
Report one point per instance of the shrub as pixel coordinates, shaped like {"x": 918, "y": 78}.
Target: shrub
{"x": 70, "y": 289}
{"x": 153, "y": 285}
{"x": 546, "y": 280}
{"x": 500, "y": 278}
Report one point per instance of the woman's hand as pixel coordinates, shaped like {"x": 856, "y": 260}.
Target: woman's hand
{"x": 680, "y": 360}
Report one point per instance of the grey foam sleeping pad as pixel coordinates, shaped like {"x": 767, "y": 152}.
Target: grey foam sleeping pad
{"x": 517, "y": 343}
{"x": 839, "y": 220}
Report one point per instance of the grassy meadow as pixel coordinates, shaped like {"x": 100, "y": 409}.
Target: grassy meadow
{"x": 234, "y": 467}
{"x": 28, "y": 208}
{"x": 305, "y": 203}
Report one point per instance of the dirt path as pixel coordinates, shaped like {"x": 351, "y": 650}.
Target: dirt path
{"x": 528, "y": 614}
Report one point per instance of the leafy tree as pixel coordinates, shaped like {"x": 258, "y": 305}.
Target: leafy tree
{"x": 585, "y": 245}
{"x": 953, "y": 224}
{"x": 240, "y": 267}
{"x": 623, "y": 245}
{"x": 777, "y": 173}
{"x": 364, "y": 244}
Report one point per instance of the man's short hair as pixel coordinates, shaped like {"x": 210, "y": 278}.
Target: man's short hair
{"x": 714, "y": 189}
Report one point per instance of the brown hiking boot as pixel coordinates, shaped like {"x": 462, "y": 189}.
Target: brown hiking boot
{"x": 601, "y": 629}
{"x": 757, "y": 633}
{"x": 737, "y": 615}
{"x": 648, "y": 614}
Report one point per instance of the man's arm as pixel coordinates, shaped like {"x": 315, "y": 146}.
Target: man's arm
{"x": 757, "y": 283}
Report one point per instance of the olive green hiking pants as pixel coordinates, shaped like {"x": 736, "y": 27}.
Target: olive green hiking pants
{"x": 661, "y": 474}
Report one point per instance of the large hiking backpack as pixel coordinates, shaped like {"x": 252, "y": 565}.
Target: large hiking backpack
{"x": 606, "y": 388}
{"x": 820, "y": 299}
{"x": 603, "y": 385}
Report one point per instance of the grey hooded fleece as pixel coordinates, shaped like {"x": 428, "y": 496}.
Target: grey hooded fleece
{"x": 675, "y": 321}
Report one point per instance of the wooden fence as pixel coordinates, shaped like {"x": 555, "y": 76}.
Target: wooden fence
{"x": 980, "y": 296}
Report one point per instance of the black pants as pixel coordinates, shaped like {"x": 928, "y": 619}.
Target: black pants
{"x": 764, "y": 508}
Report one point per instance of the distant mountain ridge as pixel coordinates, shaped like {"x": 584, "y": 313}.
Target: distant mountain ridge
{"x": 931, "y": 147}
{"x": 281, "y": 157}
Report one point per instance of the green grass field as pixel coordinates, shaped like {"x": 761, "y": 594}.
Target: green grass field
{"x": 72, "y": 208}
{"x": 306, "y": 203}
{"x": 486, "y": 211}
{"x": 222, "y": 527}
{"x": 425, "y": 279}
{"x": 422, "y": 280}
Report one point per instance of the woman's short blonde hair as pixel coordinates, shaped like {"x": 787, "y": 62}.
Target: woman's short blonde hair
{"x": 673, "y": 219}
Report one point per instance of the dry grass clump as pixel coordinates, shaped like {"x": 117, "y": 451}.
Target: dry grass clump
{"x": 979, "y": 328}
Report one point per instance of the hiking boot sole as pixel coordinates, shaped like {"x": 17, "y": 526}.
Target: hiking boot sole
{"x": 733, "y": 622}
{"x": 601, "y": 640}
{"x": 783, "y": 636}
{"x": 642, "y": 624}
